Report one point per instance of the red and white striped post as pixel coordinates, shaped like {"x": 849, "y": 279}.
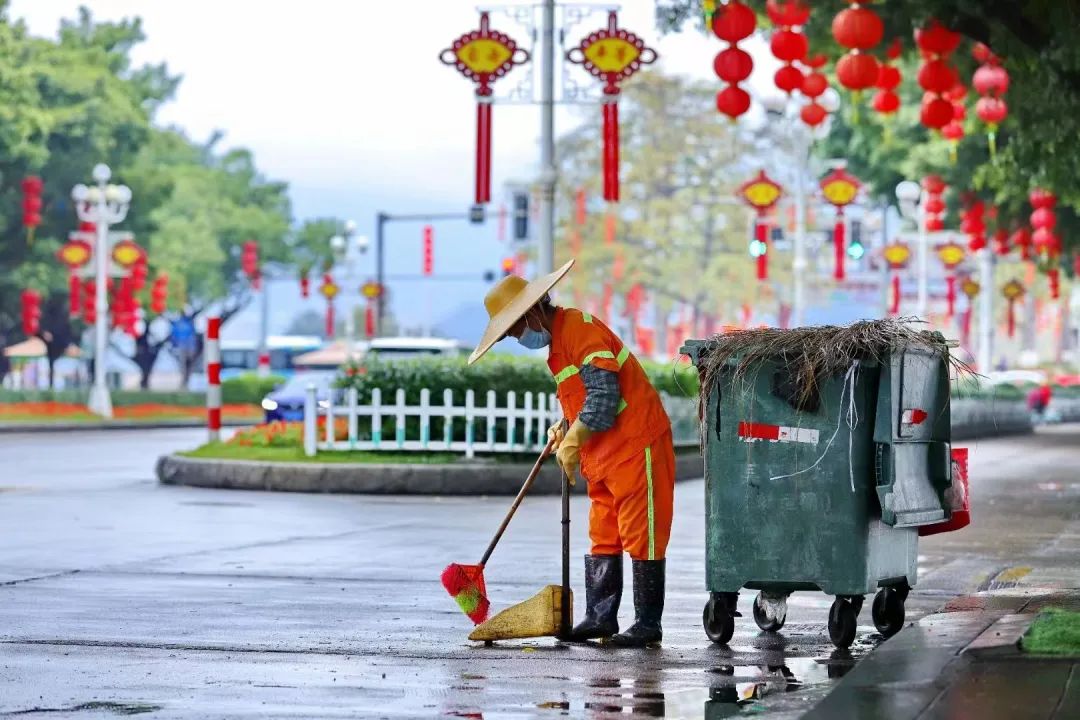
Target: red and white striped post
{"x": 212, "y": 351}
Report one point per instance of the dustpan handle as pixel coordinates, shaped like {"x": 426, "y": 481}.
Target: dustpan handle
{"x": 517, "y": 501}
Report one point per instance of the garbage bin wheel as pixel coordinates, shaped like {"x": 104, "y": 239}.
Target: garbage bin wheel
{"x": 888, "y": 612}
{"x": 843, "y": 620}
{"x": 765, "y": 623}
{"x": 718, "y": 622}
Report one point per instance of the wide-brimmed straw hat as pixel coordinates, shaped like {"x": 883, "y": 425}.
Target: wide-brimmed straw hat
{"x": 509, "y": 300}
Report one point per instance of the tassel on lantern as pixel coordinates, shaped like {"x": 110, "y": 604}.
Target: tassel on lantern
{"x": 839, "y": 247}
{"x": 483, "y": 146}
{"x": 611, "y": 148}
{"x": 894, "y": 308}
{"x": 74, "y": 295}
{"x": 950, "y": 296}
{"x": 761, "y": 234}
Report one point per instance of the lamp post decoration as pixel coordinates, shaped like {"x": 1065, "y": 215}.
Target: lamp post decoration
{"x": 75, "y": 254}
{"x": 1012, "y": 291}
{"x": 329, "y": 290}
{"x": 897, "y": 255}
{"x": 483, "y": 56}
{"x": 612, "y": 55}
{"x": 761, "y": 193}
{"x": 970, "y": 287}
{"x": 371, "y": 291}
{"x": 102, "y": 204}
{"x": 839, "y": 188}
{"x": 951, "y": 255}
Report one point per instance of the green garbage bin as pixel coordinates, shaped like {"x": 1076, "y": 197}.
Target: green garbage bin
{"x": 796, "y": 485}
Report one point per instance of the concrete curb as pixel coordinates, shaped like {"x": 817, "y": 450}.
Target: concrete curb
{"x": 464, "y": 478}
{"x": 116, "y": 425}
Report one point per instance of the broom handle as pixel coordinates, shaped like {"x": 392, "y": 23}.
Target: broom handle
{"x": 517, "y": 501}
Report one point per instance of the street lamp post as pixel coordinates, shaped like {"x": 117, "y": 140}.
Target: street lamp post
{"x": 910, "y": 196}
{"x": 102, "y": 204}
{"x": 341, "y": 245}
{"x": 986, "y": 311}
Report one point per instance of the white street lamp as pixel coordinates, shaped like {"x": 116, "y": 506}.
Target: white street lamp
{"x": 103, "y": 205}
{"x": 909, "y": 195}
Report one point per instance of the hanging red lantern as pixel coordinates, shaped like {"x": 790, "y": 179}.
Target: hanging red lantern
{"x": 936, "y": 113}
{"x": 788, "y": 78}
{"x": 32, "y": 187}
{"x": 937, "y": 76}
{"x": 1053, "y": 282}
{"x": 839, "y": 188}
{"x": 787, "y": 12}
{"x": 991, "y": 81}
{"x": 885, "y": 100}
{"x": 483, "y": 56}
{"x": 305, "y": 285}
{"x": 612, "y": 55}
{"x": 933, "y": 204}
{"x": 733, "y": 101}
{"x": 760, "y": 193}
{"x": 1021, "y": 238}
{"x": 1044, "y": 220}
{"x": 814, "y": 85}
{"x": 813, "y": 114}
{"x": 1012, "y": 291}
{"x": 936, "y": 39}
{"x": 857, "y": 71}
{"x": 1001, "y": 242}
{"x": 733, "y": 23}
{"x": 973, "y": 225}
{"x": 858, "y": 29}
{"x": 733, "y": 65}
{"x": 788, "y": 44}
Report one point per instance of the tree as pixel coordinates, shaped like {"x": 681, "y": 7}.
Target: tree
{"x": 1036, "y": 41}
{"x": 684, "y": 234}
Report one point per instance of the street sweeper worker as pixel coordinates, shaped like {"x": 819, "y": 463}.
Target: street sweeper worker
{"x": 619, "y": 436}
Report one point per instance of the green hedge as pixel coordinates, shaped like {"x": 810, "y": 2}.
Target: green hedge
{"x": 500, "y": 373}
{"x": 248, "y": 388}
{"x": 120, "y": 398}
{"x": 971, "y": 388}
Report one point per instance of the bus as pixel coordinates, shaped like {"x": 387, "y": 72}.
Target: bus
{"x": 242, "y": 356}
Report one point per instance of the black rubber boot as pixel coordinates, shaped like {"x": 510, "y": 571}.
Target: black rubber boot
{"x": 648, "y": 606}
{"x": 603, "y": 591}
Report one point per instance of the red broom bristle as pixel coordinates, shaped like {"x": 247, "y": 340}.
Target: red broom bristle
{"x": 454, "y": 579}
{"x": 465, "y": 583}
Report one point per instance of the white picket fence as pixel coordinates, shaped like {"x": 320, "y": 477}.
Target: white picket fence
{"x": 511, "y": 427}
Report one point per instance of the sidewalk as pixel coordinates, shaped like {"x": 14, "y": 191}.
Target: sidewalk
{"x": 964, "y": 662}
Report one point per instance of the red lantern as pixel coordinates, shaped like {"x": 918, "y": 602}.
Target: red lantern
{"x": 937, "y": 112}
{"x": 1021, "y": 238}
{"x": 936, "y": 39}
{"x": 857, "y": 27}
{"x": 885, "y": 102}
{"x": 788, "y": 78}
{"x": 159, "y": 294}
{"x": 31, "y": 312}
{"x": 991, "y": 110}
{"x": 937, "y": 76}
{"x": 732, "y": 23}
{"x": 814, "y": 85}
{"x": 813, "y": 114}
{"x": 857, "y": 71}
{"x": 612, "y": 54}
{"x": 305, "y": 286}
{"x": 787, "y": 12}
{"x": 32, "y": 187}
{"x": 733, "y": 64}
{"x": 789, "y": 46}
{"x": 990, "y": 80}
{"x": 733, "y": 101}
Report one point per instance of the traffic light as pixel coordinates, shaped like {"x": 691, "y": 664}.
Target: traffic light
{"x": 32, "y": 187}
{"x": 249, "y": 261}
{"x": 476, "y": 214}
{"x": 31, "y": 312}
{"x": 856, "y": 249}
{"x": 521, "y": 216}
{"x": 428, "y": 251}
{"x": 757, "y": 248}
{"x": 159, "y": 294}
{"x": 509, "y": 265}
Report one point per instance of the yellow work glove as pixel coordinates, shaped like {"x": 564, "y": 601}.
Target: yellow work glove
{"x": 556, "y": 433}
{"x": 569, "y": 454}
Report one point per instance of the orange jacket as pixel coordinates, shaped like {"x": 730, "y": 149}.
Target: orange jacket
{"x": 578, "y": 339}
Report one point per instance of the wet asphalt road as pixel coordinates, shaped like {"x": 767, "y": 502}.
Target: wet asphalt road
{"x": 118, "y": 596}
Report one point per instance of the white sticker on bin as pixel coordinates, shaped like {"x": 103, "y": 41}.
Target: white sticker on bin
{"x": 750, "y": 432}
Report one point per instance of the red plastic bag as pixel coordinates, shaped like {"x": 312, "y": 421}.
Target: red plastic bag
{"x": 957, "y": 497}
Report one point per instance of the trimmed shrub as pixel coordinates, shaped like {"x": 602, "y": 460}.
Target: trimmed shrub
{"x": 248, "y": 388}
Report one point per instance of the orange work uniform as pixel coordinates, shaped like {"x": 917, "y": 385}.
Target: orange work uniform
{"x": 630, "y": 468}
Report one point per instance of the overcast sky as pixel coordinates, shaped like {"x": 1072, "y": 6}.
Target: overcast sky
{"x": 348, "y": 103}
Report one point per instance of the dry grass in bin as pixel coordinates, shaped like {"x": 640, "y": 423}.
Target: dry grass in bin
{"x": 814, "y": 354}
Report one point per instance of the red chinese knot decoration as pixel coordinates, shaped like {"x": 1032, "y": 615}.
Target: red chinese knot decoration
{"x": 1012, "y": 291}
{"x": 483, "y": 56}
{"x": 839, "y": 188}
{"x": 761, "y": 193}
{"x": 733, "y": 23}
{"x": 897, "y": 255}
{"x": 951, "y": 255}
{"x": 612, "y": 55}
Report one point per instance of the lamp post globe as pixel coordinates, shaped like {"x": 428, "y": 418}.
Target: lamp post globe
{"x": 101, "y": 173}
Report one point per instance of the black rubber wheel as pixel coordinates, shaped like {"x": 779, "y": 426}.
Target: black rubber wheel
{"x": 888, "y": 612}
{"x": 843, "y": 620}
{"x": 763, "y": 622}
{"x": 719, "y": 625}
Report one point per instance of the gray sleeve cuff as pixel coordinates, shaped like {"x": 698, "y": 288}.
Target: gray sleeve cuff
{"x": 601, "y": 398}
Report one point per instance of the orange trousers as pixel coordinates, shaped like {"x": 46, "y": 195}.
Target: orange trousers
{"x": 632, "y": 503}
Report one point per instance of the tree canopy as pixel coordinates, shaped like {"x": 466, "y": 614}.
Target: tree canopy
{"x": 1036, "y": 41}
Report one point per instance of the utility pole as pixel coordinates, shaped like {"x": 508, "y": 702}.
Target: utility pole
{"x": 548, "y": 173}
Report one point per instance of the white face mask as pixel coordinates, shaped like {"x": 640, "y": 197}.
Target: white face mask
{"x": 534, "y": 339}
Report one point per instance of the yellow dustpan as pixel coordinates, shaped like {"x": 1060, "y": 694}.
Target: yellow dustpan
{"x": 549, "y": 613}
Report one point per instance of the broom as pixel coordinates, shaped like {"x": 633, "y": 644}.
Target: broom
{"x": 465, "y": 583}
